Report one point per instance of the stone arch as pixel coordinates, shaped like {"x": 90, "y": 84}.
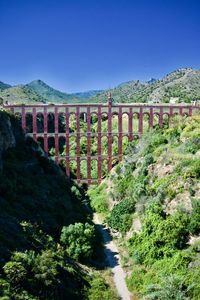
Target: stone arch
{"x": 125, "y": 121}
{"x": 125, "y": 142}
{"x": 104, "y": 145}
{"x": 73, "y": 168}
{"x": 104, "y": 122}
{"x": 29, "y": 123}
{"x": 94, "y": 168}
{"x": 93, "y": 117}
{"x": 115, "y": 147}
{"x": 84, "y": 169}
{"x": 146, "y": 122}
{"x": 72, "y": 122}
{"x": 83, "y": 146}
{"x": 51, "y": 122}
{"x": 40, "y": 122}
{"x": 51, "y": 146}
{"x": 62, "y": 144}
{"x": 156, "y": 118}
{"x": 40, "y": 141}
{"x": 72, "y": 146}
{"x": 115, "y": 122}
{"x": 94, "y": 145}
{"x": 61, "y": 122}
{"x": 135, "y": 122}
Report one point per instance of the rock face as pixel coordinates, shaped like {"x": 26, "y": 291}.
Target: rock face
{"x": 7, "y": 136}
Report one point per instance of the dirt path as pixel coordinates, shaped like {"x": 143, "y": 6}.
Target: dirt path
{"x": 113, "y": 261}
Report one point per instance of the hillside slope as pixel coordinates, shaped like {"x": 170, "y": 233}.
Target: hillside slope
{"x": 152, "y": 199}
{"x": 182, "y": 83}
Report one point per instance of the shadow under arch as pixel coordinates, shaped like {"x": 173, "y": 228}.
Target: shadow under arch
{"x": 29, "y": 123}
{"x": 40, "y": 122}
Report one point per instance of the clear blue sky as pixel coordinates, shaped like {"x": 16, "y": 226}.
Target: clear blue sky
{"x": 77, "y": 45}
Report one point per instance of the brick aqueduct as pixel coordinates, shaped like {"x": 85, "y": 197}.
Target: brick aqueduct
{"x": 86, "y": 111}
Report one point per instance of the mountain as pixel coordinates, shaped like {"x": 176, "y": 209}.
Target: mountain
{"x": 4, "y": 86}
{"x": 47, "y": 92}
{"x": 183, "y": 83}
{"x": 21, "y": 94}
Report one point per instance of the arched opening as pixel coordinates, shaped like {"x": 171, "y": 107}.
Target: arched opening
{"x": 72, "y": 122}
{"x": 83, "y": 146}
{"x": 125, "y": 121}
{"x": 72, "y": 146}
{"x": 145, "y": 122}
{"x": 40, "y": 141}
{"x": 156, "y": 118}
{"x": 29, "y": 123}
{"x": 61, "y": 123}
{"x": 104, "y": 145}
{"x": 115, "y": 149}
{"x": 94, "y": 169}
{"x": 104, "y": 122}
{"x": 62, "y": 146}
{"x": 115, "y": 122}
{"x": 135, "y": 122}
{"x": 93, "y": 118}
{"x": 51, "y": 123}
{"x": 83, "y": 166}
{"x": 94, "y": 145}
{"x": 83, "y": 122}
{"x": 104, "y": 167}
{"x": 73, "y": 168}
{"x": 51, "y": 146}
{"x": 40, "y": 123}
{"x": 166, "y": 120}
{"x": 125, "y": 143}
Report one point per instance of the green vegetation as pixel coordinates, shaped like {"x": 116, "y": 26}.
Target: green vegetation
{"x": 157, "y": 186}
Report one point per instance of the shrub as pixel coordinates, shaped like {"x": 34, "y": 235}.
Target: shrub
{"x": 78, "y": 240}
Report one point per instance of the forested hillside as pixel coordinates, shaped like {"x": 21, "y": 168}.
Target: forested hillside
{"x": 151, "y": 201}
{"x": 48, "y": 242}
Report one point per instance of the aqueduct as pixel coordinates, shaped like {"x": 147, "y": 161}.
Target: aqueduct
{"x": 53, "y": 131}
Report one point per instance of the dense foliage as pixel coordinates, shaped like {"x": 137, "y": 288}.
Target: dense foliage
{"x": 158, "y": 187}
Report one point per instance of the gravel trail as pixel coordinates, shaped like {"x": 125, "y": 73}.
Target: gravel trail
{"x": 113, "y": 261}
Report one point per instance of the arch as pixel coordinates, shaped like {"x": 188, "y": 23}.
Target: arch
{"x": 104, "y": 145}
{"x": 51, "y": 146}
{"x": 83, "y": 146}
{"x": 115, "y": 148}
{"x": 40, "y": 122}
{"x": 73, "y": 168}
{"x": 125, "y": 121}
{"x": 40, "y": 141}
{"x": 146, "y": 120}
{"x": 29, "y": 123}
{"x": 83, "y": 122}
{"x": 72, "y": 122}
{"x": 156, "y": 118}
{"x": 51, "y": 122}
{"x": 115, "y": 122}
{"x": 166, "y": 120}
{"x": 62, "y": 145}
{"x": 61, "y": 122}
{"x": 94, "y": 145}
{"x": 104, "y": 122}
{"x": 135, "y": 122}
{"x": 72, "y": 146}
{"x": 93, "y": 117}
{"x": 94, "y": 168}
{"x": 125, "y": 142}
{"x": 83, "y": 167}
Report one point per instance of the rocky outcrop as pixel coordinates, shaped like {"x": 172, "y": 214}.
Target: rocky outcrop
{"x": 7, "y": 136}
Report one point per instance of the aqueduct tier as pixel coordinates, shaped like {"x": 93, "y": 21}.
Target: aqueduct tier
{"x": 50, "y": 127}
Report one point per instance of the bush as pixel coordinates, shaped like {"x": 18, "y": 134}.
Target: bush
{"x": 78, "y": 240}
